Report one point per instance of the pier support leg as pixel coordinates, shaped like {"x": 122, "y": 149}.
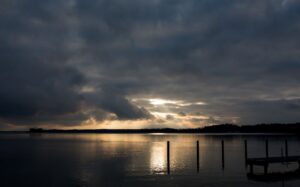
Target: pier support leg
{"x": 267, "y": 148}
{"x": 266, "y": 169}
{"x": 251, "y": 168}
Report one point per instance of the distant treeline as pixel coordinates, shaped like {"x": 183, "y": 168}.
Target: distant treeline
{"x": 223, "y": 128}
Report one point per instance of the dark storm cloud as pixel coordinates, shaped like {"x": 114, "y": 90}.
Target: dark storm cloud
{"x": 39, "y": 82}
{"x": 241, "y": 57}
{"x": 117, "y": 104}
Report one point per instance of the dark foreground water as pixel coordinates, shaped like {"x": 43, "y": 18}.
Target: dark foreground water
{"x": 138, "y": 160}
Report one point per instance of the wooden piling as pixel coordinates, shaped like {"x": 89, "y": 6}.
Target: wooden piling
{"x": 223, "y": 156}
{"x": 246, "y": 151}
{"x": 267, "y": 156}
{"x": 198, "y": 162}
{"x": 168, "y": 156}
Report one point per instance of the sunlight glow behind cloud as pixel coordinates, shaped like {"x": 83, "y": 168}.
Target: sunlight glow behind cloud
{"x": 162, "y": 101}
{"x": 158, "y": 101}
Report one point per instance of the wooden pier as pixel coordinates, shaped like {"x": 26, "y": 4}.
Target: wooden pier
{"x": 267, "y": 160}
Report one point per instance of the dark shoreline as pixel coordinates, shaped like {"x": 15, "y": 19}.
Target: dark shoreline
{"x": 293, "y": 128}
{"x": 224, "y": 128}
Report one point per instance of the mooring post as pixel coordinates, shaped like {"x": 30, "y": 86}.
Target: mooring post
{"x": 246, "y": 152}
{"x": 267, "y": 148}
{"x": 286, "y": 148}
{"x": 223, "y": 157}
{"x": 198, "y": 163}
{"x": 168, "y": 156}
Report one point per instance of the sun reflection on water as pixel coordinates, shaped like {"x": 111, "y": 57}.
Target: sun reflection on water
{"x": 158, "y": 158}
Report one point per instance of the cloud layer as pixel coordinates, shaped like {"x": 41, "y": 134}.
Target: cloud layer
{"x": 67, "y": 62}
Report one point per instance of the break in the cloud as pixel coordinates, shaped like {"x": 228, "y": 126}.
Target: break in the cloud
{"x": 160, "y": 63}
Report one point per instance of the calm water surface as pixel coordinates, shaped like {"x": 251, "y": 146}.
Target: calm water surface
{"x": 137, "y": 159}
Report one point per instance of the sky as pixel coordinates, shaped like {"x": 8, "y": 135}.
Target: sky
{"x": 148, "y": 64}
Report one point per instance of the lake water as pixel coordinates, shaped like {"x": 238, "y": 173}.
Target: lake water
{"x": 138, "y": 159}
